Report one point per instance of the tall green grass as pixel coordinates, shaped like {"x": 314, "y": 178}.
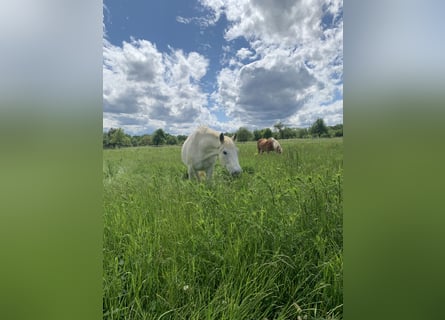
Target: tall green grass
{"x": 265, "y": 245}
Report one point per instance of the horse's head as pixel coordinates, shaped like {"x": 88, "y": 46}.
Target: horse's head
{"x": 228, "y": 154}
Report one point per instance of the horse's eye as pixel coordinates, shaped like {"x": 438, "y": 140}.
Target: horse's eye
{"x": 225, "y": 152}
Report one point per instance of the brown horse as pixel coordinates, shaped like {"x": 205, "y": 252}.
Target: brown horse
{"x": 269, "y": 145}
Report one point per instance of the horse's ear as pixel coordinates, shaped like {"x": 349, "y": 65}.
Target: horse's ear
{"x": 234, "y": 137}
{"x": 221, "y": 137}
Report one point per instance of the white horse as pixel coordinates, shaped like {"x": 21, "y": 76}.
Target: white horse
{"x": 202, "y": 147}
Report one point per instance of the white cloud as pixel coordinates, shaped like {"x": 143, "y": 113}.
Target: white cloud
{"x": 265, "y": 91}
{"x": 244, "y": 53}
{"x": 298, "y": 69}
{"x": 289, "y": 69}
{"x": 183, "y": 20}
{"x": 145, "y": 89}
{"x": 331, "y": 114}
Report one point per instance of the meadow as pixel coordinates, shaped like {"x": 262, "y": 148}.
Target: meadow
{"x": 265, "y": 245}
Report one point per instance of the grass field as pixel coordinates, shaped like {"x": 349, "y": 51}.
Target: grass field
{"x": 265, "y": 245}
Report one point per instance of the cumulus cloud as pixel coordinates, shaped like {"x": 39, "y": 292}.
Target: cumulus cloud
{"x": 331, "y": 114}
{"x": 288, "y": 67}
{"x": 265, "y": 91}
{"x": 146, "y": 89}
{"x": 297, "y": 72}
{"x": 244, "y": 53}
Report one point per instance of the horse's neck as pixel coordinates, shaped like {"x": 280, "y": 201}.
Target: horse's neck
{"x": 210, "y": 141}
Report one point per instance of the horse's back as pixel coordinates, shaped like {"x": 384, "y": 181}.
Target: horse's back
{"x": 261, "y": 143}
{"x": 197, "y": 144}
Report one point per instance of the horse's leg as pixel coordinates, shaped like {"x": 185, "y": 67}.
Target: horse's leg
{"x": 209, "y": 173}
{"x": 193, "y": 173}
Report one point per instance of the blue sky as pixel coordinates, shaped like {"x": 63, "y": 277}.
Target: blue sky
{"x": 221, "y": 63}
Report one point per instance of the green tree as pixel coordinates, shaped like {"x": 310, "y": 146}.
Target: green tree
{"x": 302, "y": 133}
{"x": 279, "y": 126}
{"x": 135, "y": 141}
{"x": 257, "y": 134}
{"x": 288, "y": 133}
{"x": 118, "y": 138}
{"x": 243, "y": 134}
{"x": 336, "y": 131}
{"x": 145, "y": 140}
{"x": 159, "y": 137}
{"x": 181, "y": 138}
{"x": 171, "y": 140}
{"x": 267, "y": 133}
{"x": 319, "y": 128}
{"x": 105, "y": 140}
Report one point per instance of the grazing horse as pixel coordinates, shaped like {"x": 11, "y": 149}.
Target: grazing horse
{"x": 269, "y": 145}
{"x": 202, "y": 147}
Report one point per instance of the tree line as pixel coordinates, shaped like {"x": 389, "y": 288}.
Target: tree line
{"x": 117, "y": 138}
